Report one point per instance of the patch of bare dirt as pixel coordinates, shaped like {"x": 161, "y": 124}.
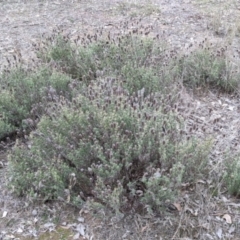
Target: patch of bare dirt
{"x": 179, "y": 22}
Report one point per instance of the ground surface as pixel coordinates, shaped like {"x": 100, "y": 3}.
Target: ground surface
{"x": 180, "y": 23}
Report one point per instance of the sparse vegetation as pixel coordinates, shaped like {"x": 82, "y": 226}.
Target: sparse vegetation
{"x": 136, "y": 9}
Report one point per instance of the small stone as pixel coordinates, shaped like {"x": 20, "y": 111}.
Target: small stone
{"x": 34, "y": 212}
{"x": 81, "y": 219}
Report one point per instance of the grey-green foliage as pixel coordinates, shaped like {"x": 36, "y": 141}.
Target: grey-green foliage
{"x": 112, "y": 143}
{"x": 232, "y": 175}
{"x": 209, "y": 68}
{"x": 137, "y": 60}
{"x": 20, "y": 90}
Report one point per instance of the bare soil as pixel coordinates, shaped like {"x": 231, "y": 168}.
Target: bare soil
{"x": 180, "y": 23}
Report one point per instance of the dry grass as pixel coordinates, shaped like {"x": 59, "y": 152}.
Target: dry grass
{"x": 138, "y": 9}
{"x": 223, "y": 17}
